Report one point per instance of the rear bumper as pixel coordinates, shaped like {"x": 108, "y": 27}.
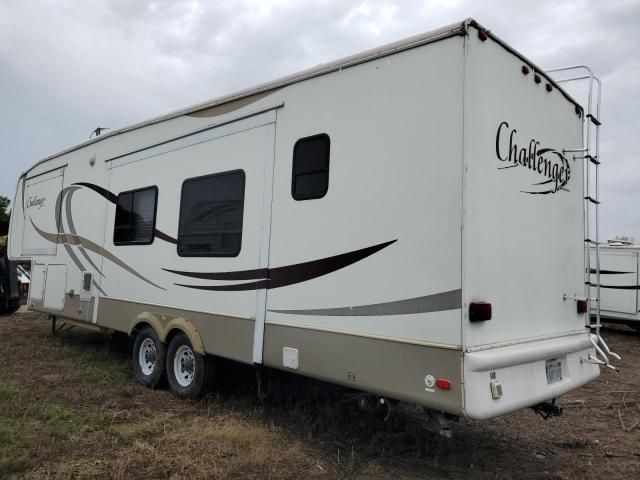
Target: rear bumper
{"x": 521, "y": 373}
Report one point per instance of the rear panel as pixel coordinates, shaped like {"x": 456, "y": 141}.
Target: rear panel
{"x": 522, "y": 245}
{"x": 523, "y": 200}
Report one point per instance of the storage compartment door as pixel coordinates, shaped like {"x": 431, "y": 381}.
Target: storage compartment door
{"x": 55, "y": 287}
{"x": 41, "y": 207}
{"x": 36, "y": 286}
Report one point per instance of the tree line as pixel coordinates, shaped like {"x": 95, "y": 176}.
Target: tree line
{"x": 5, "y": 214}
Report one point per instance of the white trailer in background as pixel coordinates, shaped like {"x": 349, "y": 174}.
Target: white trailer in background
{"x": 619, "y": 281}
{"x": 403, "y": 221}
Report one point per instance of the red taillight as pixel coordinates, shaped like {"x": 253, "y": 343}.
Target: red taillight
{"x": 582, "y": 306}
{"x": 443, "y": 384}
{"x": 479, "y": 311}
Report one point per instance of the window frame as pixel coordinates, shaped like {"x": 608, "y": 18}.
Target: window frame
{"x": 301, "y": 198}
{"x": 155, "y": 215}
{"x": 181, "y": 220}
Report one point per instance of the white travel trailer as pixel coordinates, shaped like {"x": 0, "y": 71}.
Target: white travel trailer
{"x": 403, "y": 221}
{"x": 619, "y": 282}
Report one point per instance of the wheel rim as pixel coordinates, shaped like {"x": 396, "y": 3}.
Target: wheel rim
{"x": 147, "y": 356}
{"x": 184, "y": 365}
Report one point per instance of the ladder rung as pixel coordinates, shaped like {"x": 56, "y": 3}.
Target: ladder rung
{"x": 594, "y": 120}
{"x": 592, "y": 159}
{"x": 592, "y": 200}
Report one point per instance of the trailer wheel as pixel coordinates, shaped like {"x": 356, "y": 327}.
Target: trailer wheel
{"x": 8, "y": 307}
{"x": 13, "y": 307}
{"x": 149, "y": 358}
{"x": 188, "y": 372}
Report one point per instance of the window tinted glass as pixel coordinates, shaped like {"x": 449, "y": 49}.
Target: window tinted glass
{"x": 211, "y": 212}
{"x": 135, "y": 217}
{"x": 122, "y": 228}
{"x": 310, "y": 177}
{"x": 144, "y": 212}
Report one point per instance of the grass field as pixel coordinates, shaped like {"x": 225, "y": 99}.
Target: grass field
{"x": 70, "y": 408}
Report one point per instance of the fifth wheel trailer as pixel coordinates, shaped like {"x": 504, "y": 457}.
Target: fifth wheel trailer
{"x": 403, "y": 221}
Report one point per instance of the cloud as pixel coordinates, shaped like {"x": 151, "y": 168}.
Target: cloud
{"x": 66, "y": 68}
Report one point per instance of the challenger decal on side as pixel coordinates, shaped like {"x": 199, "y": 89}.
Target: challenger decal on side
{"x": 35, "y": 201}
{"x": 547, "y": 163}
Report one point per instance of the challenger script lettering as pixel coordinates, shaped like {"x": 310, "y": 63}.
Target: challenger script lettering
{"x": 547, "y": 163}
{"x": 35, "y": 201}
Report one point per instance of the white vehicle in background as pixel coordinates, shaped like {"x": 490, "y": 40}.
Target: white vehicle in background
{"x": 24, "y": 279}
{"x": 619, "y": 281}
{"x": 375, "y": 222}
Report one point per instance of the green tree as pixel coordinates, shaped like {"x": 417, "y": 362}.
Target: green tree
{"x": 4, "y": 215}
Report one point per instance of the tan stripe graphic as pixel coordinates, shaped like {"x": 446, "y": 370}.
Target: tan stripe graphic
{"x": 70, "y": 239}
{"x": 230, "y": 106}
{"x": 439, "y": 302}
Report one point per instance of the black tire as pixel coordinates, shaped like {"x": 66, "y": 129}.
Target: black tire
{"x": 10, "y": 311}
{"x": 8, "y": 307}
{"x": 14, "y": 305}
{"x": 149, "y": 355}
{"x": 194, "y": 373}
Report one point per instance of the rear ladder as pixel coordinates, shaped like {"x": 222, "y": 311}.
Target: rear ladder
{"x": 590, "y": 152}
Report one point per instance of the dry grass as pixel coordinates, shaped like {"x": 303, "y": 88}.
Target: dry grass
{"x": 69, "y": 409}
{"x": 228, "y": 447}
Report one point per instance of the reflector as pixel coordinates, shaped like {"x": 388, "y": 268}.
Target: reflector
{"x": 582, "y": 306}
{"x": 479, "y": 311}
{"x": 443, "y": 384}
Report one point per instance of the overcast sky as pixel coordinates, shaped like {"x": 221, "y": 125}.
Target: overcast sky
{"x": 67, "y": 67}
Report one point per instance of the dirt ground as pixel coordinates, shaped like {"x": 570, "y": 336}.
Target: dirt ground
{"x": 70, "y": 408}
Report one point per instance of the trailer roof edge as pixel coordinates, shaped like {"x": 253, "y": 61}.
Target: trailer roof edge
{"x": 455, "y": 29}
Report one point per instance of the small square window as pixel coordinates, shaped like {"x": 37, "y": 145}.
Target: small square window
{"x": 135, "y": 217}
{"x": 310, "y": 177}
